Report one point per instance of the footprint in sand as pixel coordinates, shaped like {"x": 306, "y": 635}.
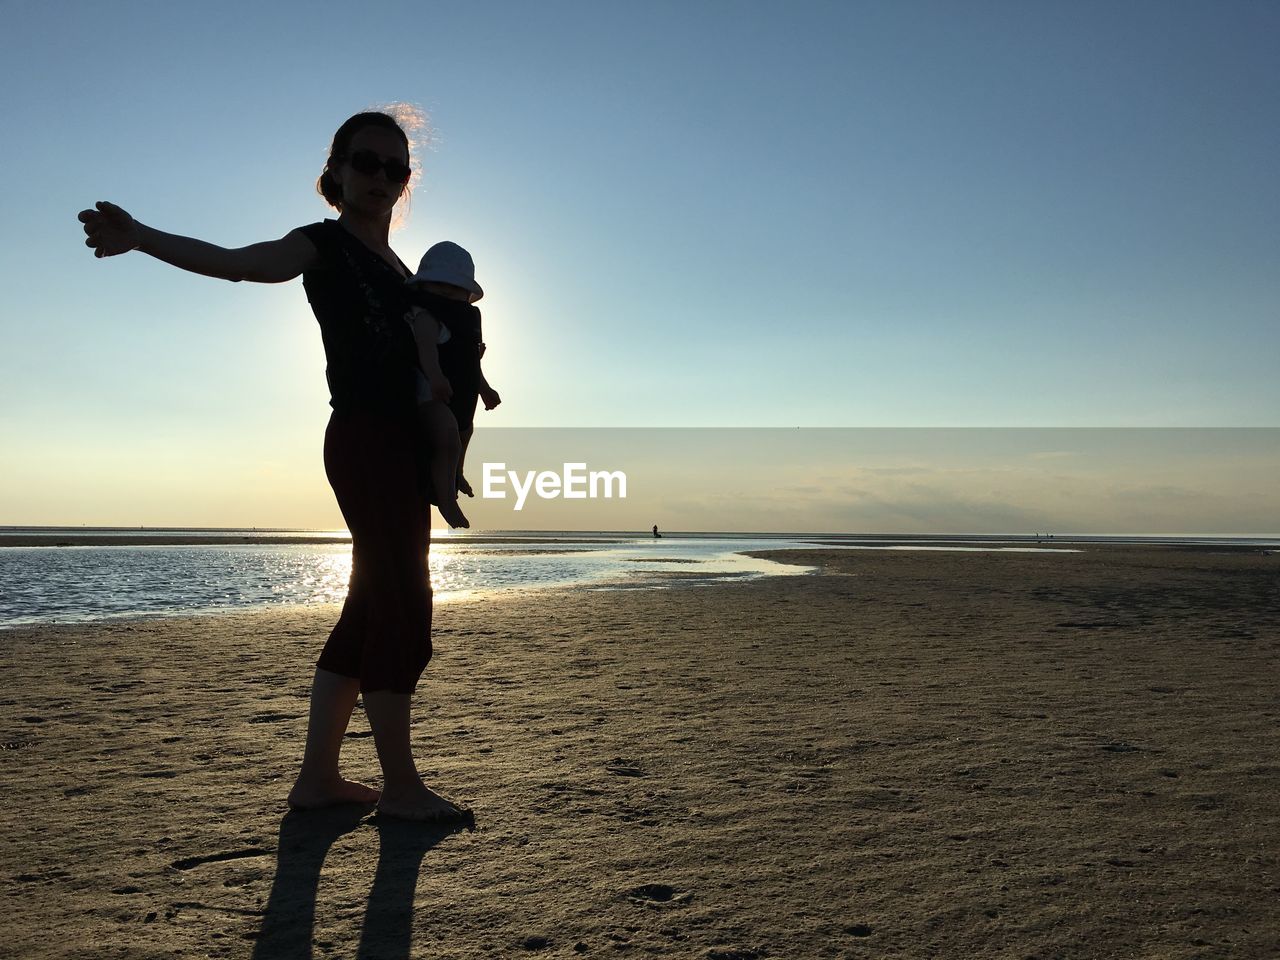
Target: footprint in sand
{"x": 1119, "y": 746}
{"x": 657, "y": 893}
{"x": 189, "y": 863}
{"x": 622, "y": 767}
{"x": 272, "y": 717}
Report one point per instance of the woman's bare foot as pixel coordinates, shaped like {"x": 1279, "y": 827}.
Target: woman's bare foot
{"x": 312, "y": 796}
{"x": 420, "y": 802}
{"x": 452, "y": 515}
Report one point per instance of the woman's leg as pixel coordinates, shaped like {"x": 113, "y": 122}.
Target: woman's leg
{"x": 381, "y": 643}
{"x": 337, "y": 678}
{"x": 396, "y": 654}
{"x": 403, "y": 792}
{"x": 319, "y": 784}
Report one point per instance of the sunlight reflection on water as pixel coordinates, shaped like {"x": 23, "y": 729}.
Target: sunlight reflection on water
{"x": 73, "y": 584}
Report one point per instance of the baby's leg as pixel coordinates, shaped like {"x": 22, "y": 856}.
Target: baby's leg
{"x": 464, "y": 437}
{"x": 442, "y": 430}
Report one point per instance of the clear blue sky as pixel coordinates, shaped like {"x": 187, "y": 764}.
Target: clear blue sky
{"x": 721, "y": 214}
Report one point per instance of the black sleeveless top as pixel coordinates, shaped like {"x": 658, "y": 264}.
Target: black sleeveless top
{"x": 360, "y": 302}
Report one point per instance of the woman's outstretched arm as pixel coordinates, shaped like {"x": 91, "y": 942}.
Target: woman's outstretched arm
{"x": 110, "y": 231}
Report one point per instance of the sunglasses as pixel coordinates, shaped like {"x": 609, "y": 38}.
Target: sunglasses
{"x": 367, "y": 162}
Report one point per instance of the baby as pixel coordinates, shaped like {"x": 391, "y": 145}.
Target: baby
{"x": 446, "y": 326}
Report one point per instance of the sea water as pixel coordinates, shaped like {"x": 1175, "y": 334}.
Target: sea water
{"x": 40, "y": 584}
{"x": 66, "y": 584}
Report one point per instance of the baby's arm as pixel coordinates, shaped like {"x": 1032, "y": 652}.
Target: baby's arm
{"x": 487, "y": 394}
{"x": 426, "y": 331}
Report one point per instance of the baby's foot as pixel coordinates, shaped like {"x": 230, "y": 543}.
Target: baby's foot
{"x": 453, "y": 516}
{"x": 465, "y": 488}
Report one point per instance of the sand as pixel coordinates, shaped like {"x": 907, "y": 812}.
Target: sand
{"x": 906, "y": 755}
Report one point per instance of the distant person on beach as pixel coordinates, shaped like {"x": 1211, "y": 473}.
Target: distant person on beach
{"x": 656, "y": 534}
{"x": 356, "y": 286}
{"x": 446, "y": 326}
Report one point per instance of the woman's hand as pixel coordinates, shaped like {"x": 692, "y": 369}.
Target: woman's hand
{"x": 110, "y": 230}
{"x": 490, "y": 397}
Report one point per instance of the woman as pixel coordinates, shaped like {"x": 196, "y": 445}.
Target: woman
{"x": 355, "y": 284}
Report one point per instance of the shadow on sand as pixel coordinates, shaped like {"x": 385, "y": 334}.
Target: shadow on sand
{"x": 305, "y": 839}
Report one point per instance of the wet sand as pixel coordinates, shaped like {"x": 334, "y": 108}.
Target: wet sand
{"x": 906, "y": 755}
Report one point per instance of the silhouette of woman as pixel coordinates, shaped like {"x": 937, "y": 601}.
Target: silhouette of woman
{"x": 355, "y": 284}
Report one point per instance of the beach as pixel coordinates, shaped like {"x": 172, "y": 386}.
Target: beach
{"x": 905, "y": 754}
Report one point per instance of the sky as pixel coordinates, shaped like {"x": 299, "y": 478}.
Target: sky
{"x": 850, "y": 214}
